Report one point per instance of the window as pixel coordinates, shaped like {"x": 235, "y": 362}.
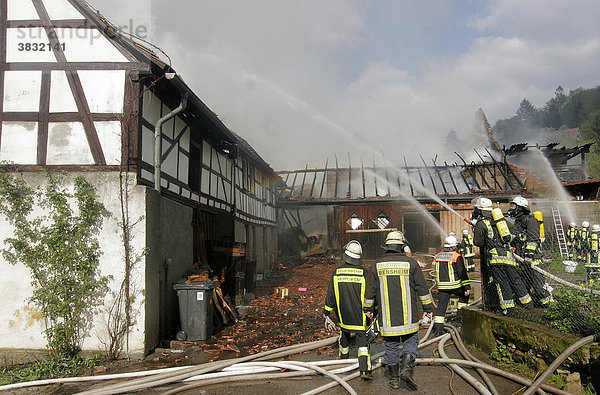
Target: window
{"x": 382, "y": 221}
{"x": 354, "y": 221}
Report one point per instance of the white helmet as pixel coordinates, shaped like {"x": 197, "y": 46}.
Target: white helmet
{"x": 465, "y": 232}
{"x": 595, "y": 228}
{"x": 482, "y": 203}
{"x": 521, "y": 202}
{"x": 585, "y": 224}
{"x": 572, "y": 224}
{"x": 395, "y": 237}
{"x": 450, "y": 242}
{"x": 352, "y": 253}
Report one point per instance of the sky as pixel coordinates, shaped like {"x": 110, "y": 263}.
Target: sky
{"x": 304, "y": 81}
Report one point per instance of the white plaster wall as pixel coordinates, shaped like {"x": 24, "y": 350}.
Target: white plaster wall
{"x": 21, "y": 10}
{"x": 61, "y": 9}
{"x": 22, "y": 90}
{"x": 19, "y": 142}
{"x": 21, "y": 325}
{"x": 88, "y": 45}
{"x": 67, "y": 144}
{"x": 14, "y": 36}
{"x": 109, "y": 134}
{"x": 104, "y": 90}
{"x": 61, "y": 97}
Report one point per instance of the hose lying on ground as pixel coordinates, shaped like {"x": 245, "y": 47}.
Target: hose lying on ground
{"x": 561, "y": 358}
{"x": 168, "y": 378}
{"x": 458, "y": 342}
{"x": 460, "y": 371}
{"x": 488, "y": 368}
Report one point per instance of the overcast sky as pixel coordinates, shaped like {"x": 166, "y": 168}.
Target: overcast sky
{"x": 301, "y": 80}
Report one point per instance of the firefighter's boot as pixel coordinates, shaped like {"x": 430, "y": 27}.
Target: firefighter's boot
{"x": 407, "y": 367}
{"x": 391, "y": 373}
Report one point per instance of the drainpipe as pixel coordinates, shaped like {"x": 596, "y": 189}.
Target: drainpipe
{"x": 158, "y": 134}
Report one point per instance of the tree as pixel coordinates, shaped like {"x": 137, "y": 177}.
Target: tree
{"x": 61, "y": 251}
{"x": 590, "y": 132}
{"x": 526, "y": 111}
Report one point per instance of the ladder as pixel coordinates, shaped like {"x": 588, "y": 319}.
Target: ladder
{"x": 560, "y": 232}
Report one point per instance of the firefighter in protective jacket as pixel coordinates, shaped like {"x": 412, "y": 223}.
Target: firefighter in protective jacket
{"x": 345, "y": 296}
{"x": 392, "y": 296}
{"x": 498, "y": 265}
{"x": 572, "y": 240}
{"x": 466, "y": 248}
{"x": 592, "y": 265}
{"x": 584, "y": 242}
{"x": 527, "y": 243}
{"x": 451, "y": 277}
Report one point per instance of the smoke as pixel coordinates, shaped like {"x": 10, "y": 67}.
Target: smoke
{"x": 303, "y": 80}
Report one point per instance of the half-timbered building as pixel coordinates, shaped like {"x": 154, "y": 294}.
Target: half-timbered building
{"x": 79, "y": 97}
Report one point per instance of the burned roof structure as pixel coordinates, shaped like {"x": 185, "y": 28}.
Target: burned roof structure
{"x": 335, "y": 184}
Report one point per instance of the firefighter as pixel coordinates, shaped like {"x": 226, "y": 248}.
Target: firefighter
{"x": 498, "y": 265}
{"x": 527, "y": 244}
{"x": 466, "y": 248}
{"x": 344, "y": 296}
{"x": 584, "y": 235}
{"x": 452, "y": 279}
{"x": 571, "y": 240}
{"x": 397, "y": 281}
{"x": 592, "y": 265}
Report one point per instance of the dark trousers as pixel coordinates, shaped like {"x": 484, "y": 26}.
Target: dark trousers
{"x": 443, "y": 299}
{"x": 409, "y": 344}
{"x": 509, "y": 285}
{"x": 535, "y": 282}
{"x": 470, "y": 263}
{"x": 364, "y": 357}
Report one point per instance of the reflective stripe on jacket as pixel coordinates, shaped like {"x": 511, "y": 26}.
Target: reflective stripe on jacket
{"x": 345, "y": 295}
{"x": 397, "y": 282}
{"x": 450, "y": 271}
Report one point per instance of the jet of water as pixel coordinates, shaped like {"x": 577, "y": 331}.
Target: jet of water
{"x": 537, "y": 162}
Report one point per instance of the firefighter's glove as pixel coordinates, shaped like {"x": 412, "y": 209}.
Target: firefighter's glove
{"x": 329, "y": 324}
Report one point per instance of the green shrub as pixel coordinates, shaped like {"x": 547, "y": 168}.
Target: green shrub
{"x": 574, "y": 311}
{"x": 501, "y": 354}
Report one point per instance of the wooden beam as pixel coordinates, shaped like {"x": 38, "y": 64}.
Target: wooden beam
{"x": 75, "y": 85}
{"x": 370, "y": 230}
{"x": 58, "y": 117}
{"x": 324, "y": 176}
{"x": 25, "y": 66}
{"x": 64, "y": 23}
{"x": 42, "y": 143}
{"x": 3, "y": 16}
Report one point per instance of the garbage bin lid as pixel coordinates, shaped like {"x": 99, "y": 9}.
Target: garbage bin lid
{"x": 203, "y": 285}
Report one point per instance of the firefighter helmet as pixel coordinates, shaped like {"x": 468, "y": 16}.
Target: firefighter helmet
{"x": 572, "y": 224}
{"x": 595, "y": 228}
{"x": 585, "y": 224}
{"x": 482, "y": 203}
{"x": 465, "y": 232}
{"x": 521, "y": 202}
{"x": 450, "y": 242}
{"x": 352, "y": 253}
{"x": 395, "y": 237}
{"x": 395, "y": 241}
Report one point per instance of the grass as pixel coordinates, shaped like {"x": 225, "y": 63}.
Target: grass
{"x": 47, "y": 368}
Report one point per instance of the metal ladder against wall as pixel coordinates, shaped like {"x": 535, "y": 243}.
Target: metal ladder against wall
{"x": 560, "y": 231}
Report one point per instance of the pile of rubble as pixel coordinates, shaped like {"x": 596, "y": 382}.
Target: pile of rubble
{"x": 287, "y": 310}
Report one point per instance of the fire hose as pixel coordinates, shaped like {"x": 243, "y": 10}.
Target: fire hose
{"x": 556, "y": 278}
{"x": 171, "y": 377}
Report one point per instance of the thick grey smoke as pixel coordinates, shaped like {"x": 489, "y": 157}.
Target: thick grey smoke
{"x": 303, "y": 80}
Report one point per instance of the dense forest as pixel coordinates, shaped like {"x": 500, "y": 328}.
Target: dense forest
{"x": 580, "y": 108}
